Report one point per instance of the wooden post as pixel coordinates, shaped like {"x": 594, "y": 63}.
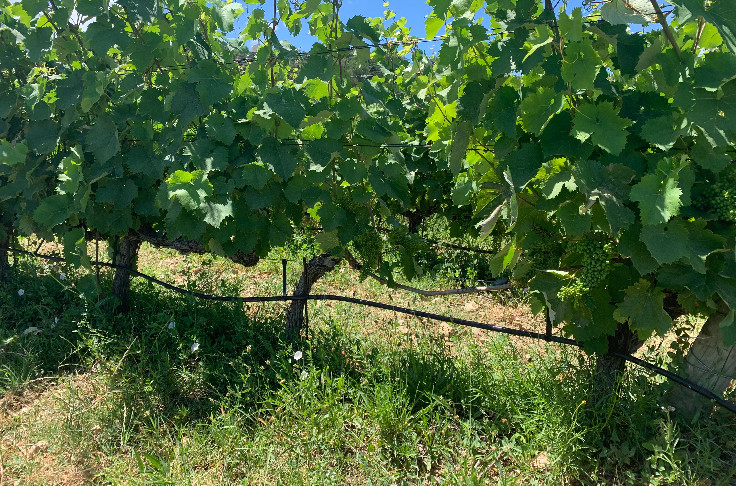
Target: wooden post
{"x": 709, "y": 363}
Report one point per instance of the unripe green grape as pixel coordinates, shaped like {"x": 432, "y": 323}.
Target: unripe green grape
{"x": 596, "y": 260}
{"x": 719, "y": 198}
{"x": 369, "y": 246}
{"x": 572, "y": 292}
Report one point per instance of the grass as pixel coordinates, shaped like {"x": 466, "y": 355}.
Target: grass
{"x": 375, "y": 398}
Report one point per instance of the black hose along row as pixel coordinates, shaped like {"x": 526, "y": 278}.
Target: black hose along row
{"x": 546, "y": 336}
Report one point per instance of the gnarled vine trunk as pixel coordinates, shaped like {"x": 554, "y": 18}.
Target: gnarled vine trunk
{"x": 709, "y": 363}
{"x": 610, "y": 367}
{"x": 316, "y": 268}
{"x": 125, "y": 257}
{"x": 5, "y": 239}
{"x": 416, "y": 219}
{"x": 127, "y": 252}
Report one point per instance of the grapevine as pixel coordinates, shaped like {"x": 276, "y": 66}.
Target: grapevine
{"x": 596, "y": 262}
{"x": 369, "y": 247}
{"x": 152, "y": 118}
{"x": 542, "y": 252}
{"x": 719, "y": 198}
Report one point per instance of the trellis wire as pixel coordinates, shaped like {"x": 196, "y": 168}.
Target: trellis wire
{"x": 546, "y": 336}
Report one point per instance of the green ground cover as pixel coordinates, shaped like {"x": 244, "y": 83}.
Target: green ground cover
{"x": 183, "y": 391}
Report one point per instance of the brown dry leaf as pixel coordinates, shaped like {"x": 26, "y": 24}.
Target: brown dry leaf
{"x": 470, "y": 306}
{"x": 540, "y": 461}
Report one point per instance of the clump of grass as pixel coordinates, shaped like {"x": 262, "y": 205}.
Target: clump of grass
{"x": 138, "y": 403}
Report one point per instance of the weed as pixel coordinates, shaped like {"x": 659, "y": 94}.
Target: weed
{"x": 370, "y": 397}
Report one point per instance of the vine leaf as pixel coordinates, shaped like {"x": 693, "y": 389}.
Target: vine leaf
{"x": 615, "y": 12}
{"x": 53, "y": 210}
{"x": 43, "y": 136}
{"x": 38, "y": 43}
{"x": 601, "y": 124}
{"x": 460, "y": 146}
{"x": 643, "y": 308}
{"x": 537, "y": 108}
{"x": 522, "y": 165}
{"x": 288, "y": 104}
{"x": 658, "y": 199}
{"x": 631, "y": 246}
{"x": 681, "y": 239}
{"x": 215, "y": 213}
{"x": 189, "y": 188}
{"x": 728, "y": 328}
{"x": 12, "y": 155}
{"x": 581, "y": 65}
{"x": 709, "y": 111}
{"x": 102, "y": 139}
{"x": 663, "y": 131}
{"x": 719, "y": 13}
{"x": 120, "y": 195}
{"x": 281, "y": 158}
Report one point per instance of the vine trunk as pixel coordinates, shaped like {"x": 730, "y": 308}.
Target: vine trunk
{"x": 126, "y": 256}
{"x": 4, "y": 262}
{"x": 315, "y": 269}
{"x": 610, "y": 367}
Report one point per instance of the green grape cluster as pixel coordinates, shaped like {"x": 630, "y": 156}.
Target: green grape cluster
{"x": 596, "y": 260}
{"x": 572, "y": 292}
{"x": 406, "y": 245}
{"x": 596, "y": 255}
{"x": 369, "y": 247}
{"x": 719, "y": 199}
{"x": 542, "y": 252}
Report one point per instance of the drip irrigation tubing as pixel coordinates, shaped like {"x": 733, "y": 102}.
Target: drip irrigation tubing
{"x": 546, "y": 336}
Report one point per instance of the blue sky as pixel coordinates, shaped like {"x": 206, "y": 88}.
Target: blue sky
{"x": 415, "y": 12}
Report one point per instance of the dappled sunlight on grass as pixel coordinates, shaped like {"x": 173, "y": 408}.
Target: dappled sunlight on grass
{"x": 198, "y": 392}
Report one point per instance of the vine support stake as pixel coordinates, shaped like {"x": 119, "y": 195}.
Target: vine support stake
{"x": 306, "y": 301}
{"x": 283, "y": 274}
{"x": 668, "y": 32}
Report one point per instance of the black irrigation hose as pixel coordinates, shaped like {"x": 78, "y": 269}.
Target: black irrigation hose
{"x": 678, "y": 379}
{"x": 412, "y": 312}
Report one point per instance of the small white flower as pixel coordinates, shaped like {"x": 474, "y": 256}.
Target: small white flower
{"x": 297, "y": 356}
{"x": 62, "y": 276}
{"x": 21, "y": 292}
{"x": 303, "y": 376}
{"x": 195, "y": 346}
{"x": 172, "y": 325}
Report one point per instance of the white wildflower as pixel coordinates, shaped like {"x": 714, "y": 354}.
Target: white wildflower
{"x": 304, "y": 375}
{"x": 297, "y": 356}
{"x": 62, "y": 276}
{"x": 195, "y": 346}
{"x": 21, "y": 292}
{"x": 172, "y": 325}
